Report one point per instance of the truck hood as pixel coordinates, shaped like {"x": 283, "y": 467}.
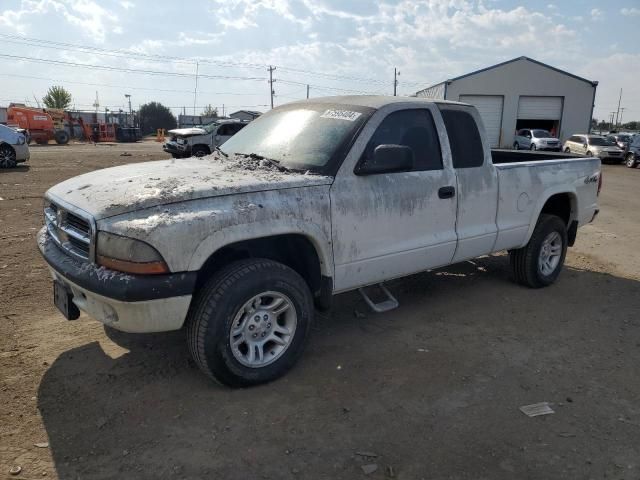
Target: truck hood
{"x": 187, "y": 132}
{"x": 118, "y": 190}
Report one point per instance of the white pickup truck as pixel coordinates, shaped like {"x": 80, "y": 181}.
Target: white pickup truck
{"x": 201, "y": 141}
{"x": 312, "y": 199}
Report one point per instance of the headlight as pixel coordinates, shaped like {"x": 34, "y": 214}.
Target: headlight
{"x": 21, "y": 140}
{"x": 128, "y": 255}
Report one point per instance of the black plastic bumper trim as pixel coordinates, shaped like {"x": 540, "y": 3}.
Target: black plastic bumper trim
{"x": 111, "y": 284}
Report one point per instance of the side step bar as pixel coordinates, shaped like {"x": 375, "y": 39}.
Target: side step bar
{"x": 389, "y": 304}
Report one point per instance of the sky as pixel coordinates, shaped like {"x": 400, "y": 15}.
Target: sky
{"x": 151, "y": 50}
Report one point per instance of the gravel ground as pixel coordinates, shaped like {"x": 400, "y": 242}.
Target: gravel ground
{"x": 431, "y": 390}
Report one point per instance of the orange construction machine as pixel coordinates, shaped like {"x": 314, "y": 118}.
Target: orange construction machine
{"x": 41, "y": 124}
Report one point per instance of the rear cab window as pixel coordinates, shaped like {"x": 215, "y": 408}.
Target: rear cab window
{"x": 464, "y": 138}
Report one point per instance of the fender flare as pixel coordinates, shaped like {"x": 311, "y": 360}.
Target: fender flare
{"x": 546, "y": 195}
{"x": 255, "y": 231}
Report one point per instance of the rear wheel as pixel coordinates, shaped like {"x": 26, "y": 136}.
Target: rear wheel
{"x": 7, "y": 157}
{"x": 630, "y": 161}
{"x": 516, "y": 146}
{"x": 539, "y": 263}
{"x": 567, "y": 150}
{"x": 249, "y": 323}
{"x": 533, "y": 147}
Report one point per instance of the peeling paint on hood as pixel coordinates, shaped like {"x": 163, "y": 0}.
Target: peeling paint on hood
{"x": 187, "y": 131}
{"x": 118, "y": 190}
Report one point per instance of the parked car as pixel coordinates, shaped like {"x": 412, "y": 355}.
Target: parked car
{"x": 201, "y": 141}
{"x": 632, "y": 157}
{"x": 13, "y": 147}
{"x": 622, "y": 140}
{"x": 536, "y": 139}
{"x": 594, "y": 145}
{"x": 312, "y": 199}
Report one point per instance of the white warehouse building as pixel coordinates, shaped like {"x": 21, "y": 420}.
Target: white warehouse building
{"x": 522, "y": 93}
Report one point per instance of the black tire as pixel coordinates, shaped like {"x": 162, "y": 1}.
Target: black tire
{"x": 567, "y": 150}
{"x": 533, "y": 147}
{"x": 61, "y": 137}
{"x": 200, "y": 151}
{"x": 630, "y": 161}
{"x": 524, "y": 261}
{"x": 216, "y": 305}
{"x": 7, "y": 157}
{"x": 516, "y": 146}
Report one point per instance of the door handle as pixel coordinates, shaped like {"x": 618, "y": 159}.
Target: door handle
{"x": 446, "y": 192}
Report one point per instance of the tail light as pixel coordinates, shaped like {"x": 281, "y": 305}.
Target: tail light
{"x": 599, "y": 182}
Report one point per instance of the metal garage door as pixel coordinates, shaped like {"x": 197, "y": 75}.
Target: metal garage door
{"x": 540, "y": 108}
{"x": 490, "y": 109}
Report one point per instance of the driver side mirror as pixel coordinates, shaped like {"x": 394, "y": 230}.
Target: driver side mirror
{"x": 387, "y": 159}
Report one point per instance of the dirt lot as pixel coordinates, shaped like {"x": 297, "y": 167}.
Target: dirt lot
{"x": 431, "y": 389}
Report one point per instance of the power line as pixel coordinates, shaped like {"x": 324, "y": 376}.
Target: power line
{"x": 165, "y": 58}
{"x": 126, "y": 70}
{"x": 107, "y": 85}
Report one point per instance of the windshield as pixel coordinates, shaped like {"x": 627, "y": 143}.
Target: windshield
{"x": 541, "y": 134}
{"x": 210, "y": 127}
{"x": 600, "y": 141}
{"x": 303, "y": 136}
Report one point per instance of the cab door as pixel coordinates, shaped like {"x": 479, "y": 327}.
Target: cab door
{"x": 392, "y": 224}
{"x": 476, "y": 182}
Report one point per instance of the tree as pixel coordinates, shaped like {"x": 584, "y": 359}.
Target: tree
{"x": 154, "y": 115}
{"x": 210, "y": 111}
{"x": 57, "y": 97}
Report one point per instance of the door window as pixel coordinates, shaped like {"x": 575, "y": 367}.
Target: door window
{"x": 411, "y": 128}
{"x": 464, "y": 139}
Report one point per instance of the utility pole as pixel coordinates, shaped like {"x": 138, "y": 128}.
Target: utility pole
{"x": 395, "y": 81}
{"x": 613, "y": 114}
{"x": 621, "y": 112}
{"x": 618, "y": 111}
{"x": 271, "y": 80}
{"x": 195, "y": 90}
{"x": 223, "y": 109}
{"x": 307, "y": 91}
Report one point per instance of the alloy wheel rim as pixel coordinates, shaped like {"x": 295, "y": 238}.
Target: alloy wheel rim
{"x": 6, "y": 157}
{"x": 263, "y": 329}
{"x": 550, "y": 253}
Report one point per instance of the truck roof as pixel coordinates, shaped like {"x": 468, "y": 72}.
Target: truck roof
{"x": 375, "y": 101}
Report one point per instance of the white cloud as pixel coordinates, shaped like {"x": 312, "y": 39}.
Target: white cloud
{"x": 127, "y": 5}
{"x": 92, "y": 20}
{"x": 630, "y": 12}
{"x": 242, "y": 14}
{"x": 596, "y": 14}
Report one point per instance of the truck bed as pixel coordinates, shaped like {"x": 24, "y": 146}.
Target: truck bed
{"x": 517, "y": 156}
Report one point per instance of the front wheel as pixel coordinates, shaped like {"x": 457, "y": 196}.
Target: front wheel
{"x": 516, "y": 146}
{"x": 200, "y": 151}
{"x": 533, "y": 147}
{"x": 250, "y": 322}
{"x": 630, "y": 161}
{"x": 7, "y": 157}
{"x": 567, "y": 150}
{"x": 539, "y": 263}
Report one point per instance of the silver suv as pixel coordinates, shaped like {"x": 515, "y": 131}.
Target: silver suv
{"x": 535, "y": 139}
{"x": 13, "y": 147}
{"x": 594, "y": 146}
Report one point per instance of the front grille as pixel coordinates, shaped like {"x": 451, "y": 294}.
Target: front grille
{"x": 70, "y": 231}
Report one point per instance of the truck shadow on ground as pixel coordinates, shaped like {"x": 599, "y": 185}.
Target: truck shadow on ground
{"x": 431, "y": 388}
